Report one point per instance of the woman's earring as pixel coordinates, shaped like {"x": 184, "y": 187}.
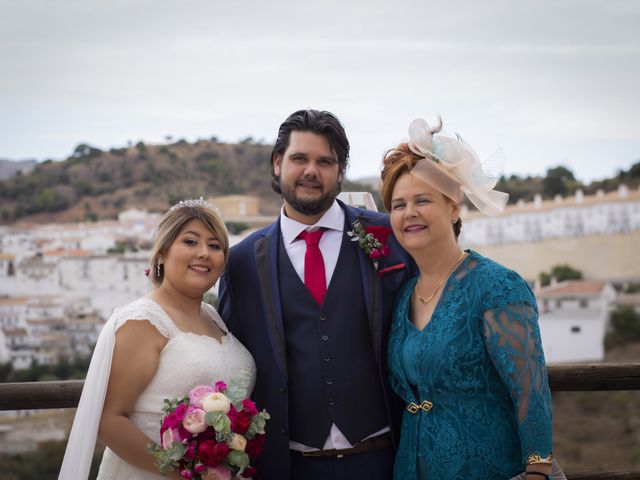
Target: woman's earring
{"x": 454, "y": 220}
{"x": 158, "y": 268}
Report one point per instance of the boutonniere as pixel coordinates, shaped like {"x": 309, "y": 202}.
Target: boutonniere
{"x": 372, "y": 240}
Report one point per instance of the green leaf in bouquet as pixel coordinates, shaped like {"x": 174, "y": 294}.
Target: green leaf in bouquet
{"x": 219, "y": 421}
{"x": 238, "y": 459}
{"x": 167, "y": 460}
{"x": 257, "y": 424}
{"x": 170, "y": 404}
{"x": 238, "y": 388}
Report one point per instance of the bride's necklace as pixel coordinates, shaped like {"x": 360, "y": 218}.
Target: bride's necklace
{"x": 426, "y": 301}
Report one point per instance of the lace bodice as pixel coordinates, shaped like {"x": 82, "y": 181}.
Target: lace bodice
{"x": 480, "y": 362}
{"x": 187, "y": 360}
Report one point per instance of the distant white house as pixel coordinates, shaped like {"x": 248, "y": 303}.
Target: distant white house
{"x": 573, "y": 320}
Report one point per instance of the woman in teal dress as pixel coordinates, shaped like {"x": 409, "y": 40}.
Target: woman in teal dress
{"x": 464, "y": 351}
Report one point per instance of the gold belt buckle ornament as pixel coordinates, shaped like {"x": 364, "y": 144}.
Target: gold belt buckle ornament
{"x": 426, "y": 405}
{"x": 536, "y": 458}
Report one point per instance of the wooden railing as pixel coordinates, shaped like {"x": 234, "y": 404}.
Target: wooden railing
{"x": 562, "y": 378}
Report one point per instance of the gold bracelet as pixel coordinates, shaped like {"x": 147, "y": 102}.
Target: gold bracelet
{"x": 536, "y": 458}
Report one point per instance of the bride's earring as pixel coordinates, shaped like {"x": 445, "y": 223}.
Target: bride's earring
{"x": 158, "y": 268}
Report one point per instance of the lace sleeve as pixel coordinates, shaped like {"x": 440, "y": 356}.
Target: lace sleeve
{"x": 512, "y": 337}
{"x": 145, "y": 309}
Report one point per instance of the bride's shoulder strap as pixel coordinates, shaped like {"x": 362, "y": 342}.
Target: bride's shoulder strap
{"x": 145, "y": 309}
{"x": 213, "y": 313}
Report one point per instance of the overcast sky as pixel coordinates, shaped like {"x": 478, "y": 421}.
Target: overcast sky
{"x": 550, "y": 82}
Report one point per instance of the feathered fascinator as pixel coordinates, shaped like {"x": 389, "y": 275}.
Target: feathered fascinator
{"x": 452, "y": 166}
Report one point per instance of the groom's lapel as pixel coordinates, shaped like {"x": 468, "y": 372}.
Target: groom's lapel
{"x": 370, "y": 284}
{"x": 266, "y": 254}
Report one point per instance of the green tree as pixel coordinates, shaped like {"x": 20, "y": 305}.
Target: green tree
{"x": 626, "y": 322}
{"x": 545, "y": 279}
{"x": 560, "y": 273}
{"x": 84, "y": 150}
{"x": 559, "y": 181}
{"x": 49, "y": 200}
{"x": 565, "y": 272}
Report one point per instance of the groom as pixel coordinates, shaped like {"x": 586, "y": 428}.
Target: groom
{"x": 315, "y": 313}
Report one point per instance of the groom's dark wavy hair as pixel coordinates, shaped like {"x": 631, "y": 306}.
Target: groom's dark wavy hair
{"x": 314, "y": 121}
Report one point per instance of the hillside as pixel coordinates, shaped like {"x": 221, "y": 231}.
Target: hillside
{"x": 93, "y": 184}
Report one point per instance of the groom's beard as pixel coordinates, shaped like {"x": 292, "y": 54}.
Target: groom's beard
{"x": 310, "y": 206}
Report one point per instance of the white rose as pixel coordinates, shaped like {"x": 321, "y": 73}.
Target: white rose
{"x": 216, "y": 402}
{"x": 237, "y": 442}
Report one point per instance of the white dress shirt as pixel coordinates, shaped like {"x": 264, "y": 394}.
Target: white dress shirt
{"x": 330, "y": 242}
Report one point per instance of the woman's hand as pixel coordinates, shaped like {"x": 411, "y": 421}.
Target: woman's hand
{"x": 538, "y": 471}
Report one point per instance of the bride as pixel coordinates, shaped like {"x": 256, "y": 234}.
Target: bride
{"x": 159, "y": 346}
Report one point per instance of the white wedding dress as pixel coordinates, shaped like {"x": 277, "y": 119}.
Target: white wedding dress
{"x": 186, "y": 361}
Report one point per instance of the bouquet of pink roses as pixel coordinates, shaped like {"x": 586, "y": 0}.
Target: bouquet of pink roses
{"x": 213, "y": 433}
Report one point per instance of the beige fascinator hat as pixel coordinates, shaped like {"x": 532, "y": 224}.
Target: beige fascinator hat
{"x": 451, "y": 166}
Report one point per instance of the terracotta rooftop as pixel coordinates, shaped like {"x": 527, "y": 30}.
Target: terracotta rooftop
{"x": 4, "y": 301}
{"x": 65, "y": 252}
{"x": 16, "y": 332}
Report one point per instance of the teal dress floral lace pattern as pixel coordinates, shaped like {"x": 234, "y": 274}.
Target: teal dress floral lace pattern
{"x": 479, "y": 361}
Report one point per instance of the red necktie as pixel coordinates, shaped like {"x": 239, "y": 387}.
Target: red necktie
{"x": 314, "y": 277}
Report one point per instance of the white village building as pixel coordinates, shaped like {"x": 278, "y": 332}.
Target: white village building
{"x": 575, "y": 216}
{"x": 573, "y": 320}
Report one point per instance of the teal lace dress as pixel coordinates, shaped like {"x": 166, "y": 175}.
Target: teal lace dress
{"x": 479, "y": 362}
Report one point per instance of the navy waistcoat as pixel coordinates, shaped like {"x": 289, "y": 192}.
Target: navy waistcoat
{"x": 333, "y": 373}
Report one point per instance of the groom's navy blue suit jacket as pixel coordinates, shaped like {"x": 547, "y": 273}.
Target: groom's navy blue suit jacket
{"x": 251, "y": 306}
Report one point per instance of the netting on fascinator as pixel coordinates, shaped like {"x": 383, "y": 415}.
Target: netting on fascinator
{"x": 451, "y": 166}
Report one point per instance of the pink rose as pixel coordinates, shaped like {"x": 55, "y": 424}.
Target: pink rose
{"x": 220, "y": 386}
{"x": 217, "y": 473}
{"x": 188, "y": 474}
{"x": 249, "y": 407}
{"x": 169, "y": 436}
{"x": 193, "y": 420}
{"x": 198, "y": 393}
{"x": 173, "y": 420}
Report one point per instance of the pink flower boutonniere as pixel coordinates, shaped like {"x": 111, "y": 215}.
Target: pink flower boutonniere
{"x": 372, "y": 240}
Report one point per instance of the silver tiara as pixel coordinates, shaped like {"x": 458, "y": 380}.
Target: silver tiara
{"x": 194, "y": 202}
